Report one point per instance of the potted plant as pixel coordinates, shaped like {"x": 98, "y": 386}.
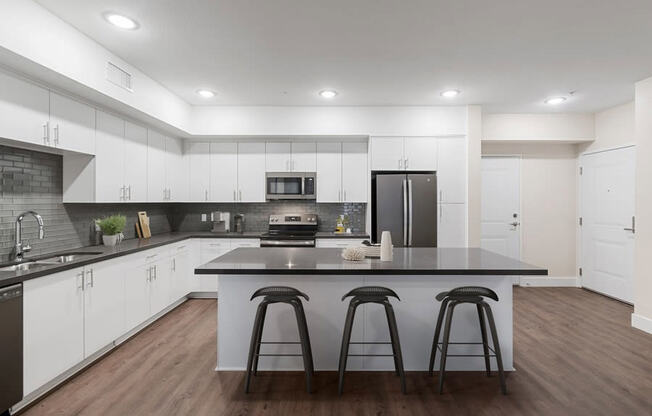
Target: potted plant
{"x": 111, "y": 228}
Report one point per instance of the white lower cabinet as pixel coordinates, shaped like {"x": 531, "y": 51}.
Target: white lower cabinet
{"x": 137, "y": 288}
{"x": 451, "y": 225}
{"x": 210, "y": 249}
{"x": 181, "y": 274}
{"x": 339, "y": 242}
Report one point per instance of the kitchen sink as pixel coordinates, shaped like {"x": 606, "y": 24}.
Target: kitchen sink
{"x": 67, "y": 257}
{"x": 20, "y": 267}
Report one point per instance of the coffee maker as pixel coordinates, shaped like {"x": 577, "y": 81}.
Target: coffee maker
{"x": 238, "y": 223}
{"x": 221, "y": 222}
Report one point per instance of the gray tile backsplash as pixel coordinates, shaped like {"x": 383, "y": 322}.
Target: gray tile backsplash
{"x": 32, "y": 180}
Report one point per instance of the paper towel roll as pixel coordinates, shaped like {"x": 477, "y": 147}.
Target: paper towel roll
{"x": 386, "y": 247}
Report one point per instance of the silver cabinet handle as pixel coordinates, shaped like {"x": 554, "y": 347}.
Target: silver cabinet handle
{"x": 234, "y": 198}
{"x": 406, "y": 163}
{"x": 441, "y": 211}
{"x": 149, "y": 274}
{"x": 155, "y": 272}
{"x": 339, "y": 195}
{"x": 240, "y": 194}
{"x": 56, "y": 135}
{"x": 169, "y": 194}
{"x": 129, "y": 192}
{"x": 80, "y": 280}
{"x": 122, "y": 193}
{"x": 400, "y": 163}
{"x": 90, "y": 281}
{"x": 344, "y": 199}
{"x": 174, "y": 264}
{"x": 206, "y": 194}
{"x": 45, "y": 133}
{"x": 441, "y": 196}
{"x": 633, "y": 228}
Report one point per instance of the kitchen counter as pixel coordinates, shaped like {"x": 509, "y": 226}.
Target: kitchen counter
{"x": 407, "y": 261}
{"x": 127, "y": 247}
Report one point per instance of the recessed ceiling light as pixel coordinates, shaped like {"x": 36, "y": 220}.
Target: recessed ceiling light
{"x": 328, "y": 93}
{"x": 206, "y": 93}
{"x": 555, "y": 100}
{"x": 450, "y": 93}
{"x": 121, "y": 21}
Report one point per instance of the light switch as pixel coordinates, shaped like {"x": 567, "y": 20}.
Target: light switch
{"x": 203, "y": 217}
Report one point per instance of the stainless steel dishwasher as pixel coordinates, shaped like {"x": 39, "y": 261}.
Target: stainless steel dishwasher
{"x": 11, "y": 345}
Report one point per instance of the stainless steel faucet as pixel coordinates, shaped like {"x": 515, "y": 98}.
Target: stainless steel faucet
{"x": 19, "y": 248}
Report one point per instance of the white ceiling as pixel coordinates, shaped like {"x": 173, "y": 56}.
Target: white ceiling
{"x": 508, "y": 55}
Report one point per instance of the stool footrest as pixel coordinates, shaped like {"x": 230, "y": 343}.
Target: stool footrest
{"x": 371, "y": 342}
{"x": 370, "y": 355}
{"x": 279, "y": 355}
{"x": 439, "y": 344}
{"x": 280, "y": 342}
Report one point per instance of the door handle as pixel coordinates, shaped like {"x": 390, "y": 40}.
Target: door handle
{"x": 633, "y": 228}
{"x": 515, "y": 223}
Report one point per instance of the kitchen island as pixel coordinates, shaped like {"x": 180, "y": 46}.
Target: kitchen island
{"x": 416, "y": 274}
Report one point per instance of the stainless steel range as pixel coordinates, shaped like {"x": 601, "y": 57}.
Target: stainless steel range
{"x": 290, "y": 230}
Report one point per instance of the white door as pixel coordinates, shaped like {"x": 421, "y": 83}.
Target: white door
{"x": 329, "y": 172}
{"x": 304, "y": 156}
{"x": 24, "y": 111}
{"x": 500, "y": 212}
{"x": 607, "y": 207}
{"x": 156, "y": 180}
{"x": 251, "y": 172}
{"x": 277, "y": 157}
{"x": 451, "y": 170}
{"x": 109, "y": 159}
{"x": 73, "y": 124}
{"x": 354, "y": 172}
{"x": 224, "y": 172}
{"x": 387, "y": 153}
{"x": 104, "y": 304}
{"x": 420, "y": 153}
{"x": 53, "y": 322}
{"x": 451, "y": 225}
{"x": 176, "y": 172}
{"x": 135, "y": 150}
{"x": 198, "y": 156}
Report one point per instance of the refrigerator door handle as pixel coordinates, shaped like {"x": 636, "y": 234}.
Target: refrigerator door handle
{"x": 405, "y": 213}
{"x": 410, "y": 212}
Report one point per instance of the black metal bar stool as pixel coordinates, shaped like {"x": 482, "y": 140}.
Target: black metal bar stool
{"x": 371, "y": 294}
{"x": 449, "y": 300}
{"x": 279, "y": 294}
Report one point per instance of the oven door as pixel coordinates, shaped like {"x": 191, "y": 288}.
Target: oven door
{"x": 283, "y": 185}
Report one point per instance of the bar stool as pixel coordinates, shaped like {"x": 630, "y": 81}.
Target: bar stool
{"x": 371, "y": 294}
{"x": 449, "y": 300}
{"x": 279, "y": 294}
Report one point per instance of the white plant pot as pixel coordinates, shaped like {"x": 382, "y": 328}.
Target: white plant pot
{"x": 110, "y": 240}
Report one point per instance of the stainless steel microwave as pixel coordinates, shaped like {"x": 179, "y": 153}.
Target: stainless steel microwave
{"x": 290, "y": 185}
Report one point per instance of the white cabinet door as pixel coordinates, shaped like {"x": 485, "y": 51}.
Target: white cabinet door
{"x": 109, "y": 159}
{"x": 224, "y": 172}
{"x": 354, "y": 172}
{"x": 277, "y": 157}
{"x": 104, "y": 304}
{"x": 156, "y": 179}
{"x": 161, "y": 286}
{"x": 329, "y": 172}
{"x": 420, "y": 153}
{"x": 210, "y": 249}
{"x": 198, "y": 156}
{"x": 53, "y": 326}
{"x": 339, "y": 242}
{"x": 176, "y": 171}
{"x": 251, "y": 172}
{"x": 451, "y": 225}
{"x": 24, "y": 111}
{"x": 179, "y": 272}
{"x": 451, "y": 170}
{"x": 387, "y": 153}
{"x": 304, "y": 157}
{"x": 137, "y": 288}
{"x": 72, "y": 124}
{"x": 135, "y": 154}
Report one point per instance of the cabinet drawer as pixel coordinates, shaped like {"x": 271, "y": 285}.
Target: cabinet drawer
{"x": 245, "y": 242}
{"x": 216, "y": 244}
{"x": 338, "y": 242}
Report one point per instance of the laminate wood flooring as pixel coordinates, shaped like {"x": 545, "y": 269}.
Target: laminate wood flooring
{"x": 575, "y": 354}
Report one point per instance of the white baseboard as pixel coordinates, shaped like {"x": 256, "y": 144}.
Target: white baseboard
{"x": 642, "y": 323}
{"x": 202, "y": 295}
{"x": 544, "y": 281}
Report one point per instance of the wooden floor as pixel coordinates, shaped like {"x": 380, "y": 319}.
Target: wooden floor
{"x": 575, "y": 354}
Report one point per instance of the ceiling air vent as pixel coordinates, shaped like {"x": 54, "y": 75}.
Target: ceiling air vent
{"x": 118, "y": 76}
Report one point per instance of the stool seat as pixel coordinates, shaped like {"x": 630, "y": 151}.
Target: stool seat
{"x": 278, "y": 291}
{"x": 371, "y": 291}
{"x": 468, "y": 292}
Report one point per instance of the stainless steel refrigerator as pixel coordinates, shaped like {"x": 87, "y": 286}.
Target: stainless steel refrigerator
{"x": 406, "y": 205}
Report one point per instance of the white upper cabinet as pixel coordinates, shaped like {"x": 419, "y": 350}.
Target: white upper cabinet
{"x": 451, "y": 172}
{"x": 176, "y": 173}
{"x": 198, "y": 156}
{"x": 109, "y": 161}
{"x": 278, "y": 157}
{"x": 329, "y": 172}
{"x": 304, "y": 157}
{"x": 420, "y": 153}
{"x": 72, "y": 124}
{"x": 156, "y": 158}
{"x": 354, "y": 172}
{"x": 24, "y": 111}
{"x": 251, "y": 172}
{"x": 135, "y": 165}
{"x": 224, "y": 172}
{"x": 387, "y": 153}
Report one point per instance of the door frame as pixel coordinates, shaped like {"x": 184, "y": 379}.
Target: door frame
{"x": 580, "y": 213}
{"x": 519, "y": 157}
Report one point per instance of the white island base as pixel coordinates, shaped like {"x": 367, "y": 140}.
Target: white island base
{"x": 416, "y": 315}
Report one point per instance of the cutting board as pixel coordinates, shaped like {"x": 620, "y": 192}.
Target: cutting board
{"x": 143, "y": 220}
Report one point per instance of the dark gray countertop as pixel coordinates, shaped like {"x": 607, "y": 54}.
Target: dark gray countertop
{"x": 128, "y": 247}
{"x": 407, "y": 261}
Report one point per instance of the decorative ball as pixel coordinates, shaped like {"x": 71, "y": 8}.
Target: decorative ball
{"x": 353, "y": 253}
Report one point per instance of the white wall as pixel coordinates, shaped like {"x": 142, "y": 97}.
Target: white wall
{"x": 560, "y": 127}
{"x": 614, "y": 127}
{"x": 548, "y": 203}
